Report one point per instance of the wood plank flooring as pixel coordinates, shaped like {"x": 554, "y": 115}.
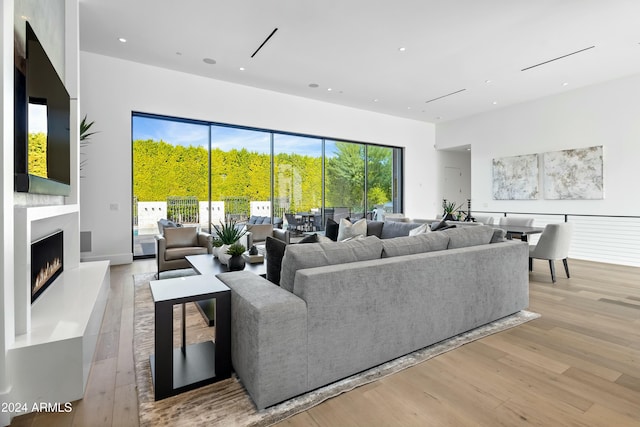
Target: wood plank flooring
{"x": 578, "y": 365}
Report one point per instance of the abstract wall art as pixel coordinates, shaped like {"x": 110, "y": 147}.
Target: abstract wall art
{"x": 573, "y": 174}
{"x": 515, "y": 178}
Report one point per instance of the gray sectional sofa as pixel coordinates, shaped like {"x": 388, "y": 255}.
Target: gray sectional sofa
{"x": 344, "y": 307}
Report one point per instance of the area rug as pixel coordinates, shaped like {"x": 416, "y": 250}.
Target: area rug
{"x": 227, "y": 403}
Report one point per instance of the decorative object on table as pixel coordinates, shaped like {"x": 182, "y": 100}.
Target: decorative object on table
{"x": 253, "y": 259}
{"x": 228, "y": 234}
{"x": 449, "y": 209}
{"x": 253, "y": 250}
{"x": 236, "y": 261}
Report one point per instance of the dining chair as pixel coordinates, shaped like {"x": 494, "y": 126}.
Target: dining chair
{"x": 486, "y": 220}
{"x": 553, "y": 244}
{"x": 294, "y": 223}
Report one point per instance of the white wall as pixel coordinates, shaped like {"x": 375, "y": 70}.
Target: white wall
{"x": 605, "y": 114}
{"x": 111, "y": 89}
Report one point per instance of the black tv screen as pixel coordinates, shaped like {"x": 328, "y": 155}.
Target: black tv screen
{"x": 42, "y": 111}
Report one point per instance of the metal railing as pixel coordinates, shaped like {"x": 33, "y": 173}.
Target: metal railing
{"x": 613, "y": 239}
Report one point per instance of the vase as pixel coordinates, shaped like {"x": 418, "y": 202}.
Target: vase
{"x": 236, "y": 263}
{"x": 214, "y": 251}
{"x": 223, "y": 256}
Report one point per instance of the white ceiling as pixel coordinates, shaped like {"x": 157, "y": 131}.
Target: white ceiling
{"x": 350, "y": 48}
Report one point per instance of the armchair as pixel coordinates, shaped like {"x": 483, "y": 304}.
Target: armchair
{"x": 178, "y": 242}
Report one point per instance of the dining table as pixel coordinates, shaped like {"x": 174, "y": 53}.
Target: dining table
{"x": 523, "y": 231}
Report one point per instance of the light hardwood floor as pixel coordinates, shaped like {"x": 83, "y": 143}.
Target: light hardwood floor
{"x": 578, "y": 365}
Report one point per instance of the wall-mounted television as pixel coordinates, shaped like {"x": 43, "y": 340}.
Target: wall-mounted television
{"x": 42, "y": 136}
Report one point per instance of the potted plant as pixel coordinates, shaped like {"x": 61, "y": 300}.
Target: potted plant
{"x": 215, "y": 246}
{"x": 236, "y": 262}
{"x": 228, "y": 234}
{"x": 449, "y": 208}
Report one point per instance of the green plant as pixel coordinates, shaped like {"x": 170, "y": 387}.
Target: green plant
{"x": 84, "y": 136}
{"x": 236, "y": 249}
{"x": 216, "y": 243}
{"x": 449, "y": 207}
{"x": 227, "y": 233}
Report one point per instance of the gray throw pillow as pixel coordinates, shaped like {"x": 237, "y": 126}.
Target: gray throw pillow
{"x": 397, "y": 229}
{"x": 374, "y": 228}
{"x": 297, "y": 257}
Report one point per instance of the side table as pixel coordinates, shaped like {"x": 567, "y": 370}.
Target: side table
{"x": 176, "y": 370}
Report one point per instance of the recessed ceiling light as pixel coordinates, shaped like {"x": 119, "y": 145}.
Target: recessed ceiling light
{"x": 408, "y": 108}
{"x": 329, "y": 89}
{"x": 241, "y": 68}
{"x": 313, "y": 85}
{"x": 565, "y": 84}
{"x": 402, "y": 49}
{"x": 468, "y": 149}
{"x": 487, "y": 81}
{"x": 209, "y": 61}
{"x": 375, "y": 100}
{"x": 495, "y": 102}
{"x": 122, "y": 40}
{"x": 25, "y": 17}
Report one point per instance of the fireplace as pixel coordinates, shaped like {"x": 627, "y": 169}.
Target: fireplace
{"x": 46, "y": 262}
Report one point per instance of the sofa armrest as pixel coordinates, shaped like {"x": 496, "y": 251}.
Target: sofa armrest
{"x": 268, "y": 338}
{"x": 161, "y": 243}
{"x": 205, "y": 240}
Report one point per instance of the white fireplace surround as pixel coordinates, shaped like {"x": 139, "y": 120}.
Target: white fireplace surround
{"x": 56, "y": 336}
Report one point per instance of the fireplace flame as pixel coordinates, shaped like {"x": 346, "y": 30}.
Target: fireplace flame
{"x": 46, "y": 272}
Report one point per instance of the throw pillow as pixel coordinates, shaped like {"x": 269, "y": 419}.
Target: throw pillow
{"x": 312, "y": 238}
{"x": 274, "y": 251}
{"x": 419, "y": 230}
{"x": 331, "y": 229}
{"x": 347, "y": 229}
{"x": 374, "y": 228}
{"x": 397, "y": 229}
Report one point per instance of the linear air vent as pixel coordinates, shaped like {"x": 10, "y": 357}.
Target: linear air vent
{"x": 264, "y": 42}
{"x": 559, "y": 57}
{"x": 444, "y": 96}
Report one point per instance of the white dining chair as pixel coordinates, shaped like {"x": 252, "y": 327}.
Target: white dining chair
{"x": 553, "y": 244}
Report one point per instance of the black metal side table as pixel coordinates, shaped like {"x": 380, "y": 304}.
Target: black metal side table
{"x": 176, "y": 370}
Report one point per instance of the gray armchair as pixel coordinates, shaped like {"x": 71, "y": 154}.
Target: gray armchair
{"x": 177, "y": 243}
{"x": 553, "y": 244}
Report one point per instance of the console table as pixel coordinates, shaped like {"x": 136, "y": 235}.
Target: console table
{"x": 175, "y": 370}
{"x": 208, "y": 265}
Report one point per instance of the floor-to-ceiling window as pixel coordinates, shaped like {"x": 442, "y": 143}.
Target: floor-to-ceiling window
{"x": 170, "y": 176}
{"x": 344, "y": 179}
{"x": 240, "y": 173}
{"x": 297, "y": 190}
{"x": 202, "y": 173}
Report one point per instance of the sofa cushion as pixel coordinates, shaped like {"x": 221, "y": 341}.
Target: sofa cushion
{"x": 297, "y": 257}
{"x": 408, "y": 245}
{"x": 180, "y": 237}
{"x": 374, "y": 228}
{"x": 348, "y": 229}
{"x": 274, "y": 251}
{"x": 396, "y": 229}
{"x": 331, "y": 229}
{"x": 469, "y": 236}
{"x": 182, "y": 251}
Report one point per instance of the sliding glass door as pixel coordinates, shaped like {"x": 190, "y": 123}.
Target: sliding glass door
{"x": 170, "y": 177}
{"x": 201, "y": 174}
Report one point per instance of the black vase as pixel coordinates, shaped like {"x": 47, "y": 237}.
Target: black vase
{"x": 236, "y": 263}
{"x": 449, "y": 217}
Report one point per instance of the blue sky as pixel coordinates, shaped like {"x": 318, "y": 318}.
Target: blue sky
{"x": 37, "y": 118}
{"x": 225, "y": 138}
